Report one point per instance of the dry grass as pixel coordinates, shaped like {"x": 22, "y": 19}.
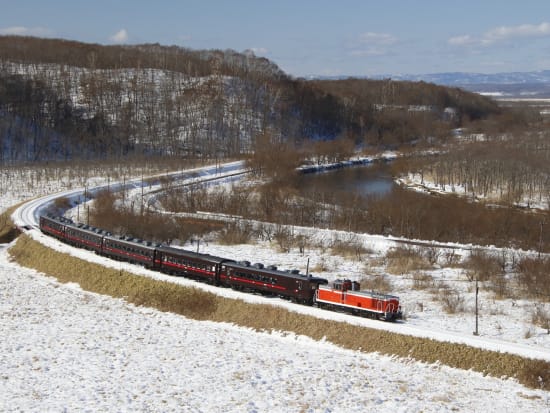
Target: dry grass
{"x": 8, "y": 231}
{"x": 422, "y": 281}
{"x": 483, "y": 266}
{"x": 235, "y": 233}
{"x": 541, "y": 317}
{"x": 451, "y": 299}
{"x": 351, "y": 248}
{"x": 404, "y": 260}
{"x": 321, "y": 266}
{"x": 378, "y": 283}
{"x": 197, "y": 304}
{"x": 138, "y": 290}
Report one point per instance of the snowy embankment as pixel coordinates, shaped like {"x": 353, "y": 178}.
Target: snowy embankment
{"x": 418, "y": 182}
{"x": 66, "y": 349}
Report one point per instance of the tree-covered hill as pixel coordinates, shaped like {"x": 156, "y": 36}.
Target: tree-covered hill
{"x": 62, "y": 99}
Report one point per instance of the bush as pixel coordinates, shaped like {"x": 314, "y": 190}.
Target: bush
{"x": 534, "y": 277}
{"x": 378, "y": 283}
{"x": 482, "y": 266}
{"x": 451, "y": 299}
{"x": 350, "y": 248}
{"x": 422, "y": 281}
{"x": 405, "y": 259}
{"x": 235, "y": 233}
{"x": 541, "y": 317}
{"x": 283, "y": 238}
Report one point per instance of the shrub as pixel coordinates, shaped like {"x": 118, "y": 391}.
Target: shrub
{"x": 378, "y": 283}
{"x": 482, "y": 266}
{"x": 541, "y": 317}
{"x": 350, "y": 248}
{"x": 235, "y": 233}
{"x": 8, "y": 231}
{"x": 283, "y": 238}
{"x": 534, "y": 275}
{"x": 451, "y": 299}
{"x": 422, "y": 281}
{"x": 405, "y": 259}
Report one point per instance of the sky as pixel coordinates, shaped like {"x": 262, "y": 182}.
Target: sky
{"x": 312, "y": 37}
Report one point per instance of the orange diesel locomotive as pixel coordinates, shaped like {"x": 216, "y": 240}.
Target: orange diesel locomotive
{"x": 345, "y": 295}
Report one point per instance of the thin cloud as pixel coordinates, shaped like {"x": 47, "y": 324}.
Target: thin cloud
{"x": 462, "y": 40}
{"x": 371, "y": 51}
{"x": 501, "y": 34}
{"x": 371, "y": 44}
{"x": 372, "y": 38}
{"x": 510, "y": 32}
{"x": 26, "y": 31}
{"x": 119, "y": 37}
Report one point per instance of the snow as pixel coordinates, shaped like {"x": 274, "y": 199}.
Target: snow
{"x": 417, "y": 182}
{"x": 64, "y": 349}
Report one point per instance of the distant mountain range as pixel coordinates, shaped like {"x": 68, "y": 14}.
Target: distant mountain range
{"x": 511, "y": 84}
{"x": 464, "y": 78}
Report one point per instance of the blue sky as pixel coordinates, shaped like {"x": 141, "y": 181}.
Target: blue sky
{"x": 312, "y": 37}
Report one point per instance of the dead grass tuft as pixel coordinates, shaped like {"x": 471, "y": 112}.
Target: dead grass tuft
{"x": 235, "y": 233}
{"x": 451, "y": 299}
{"x": 8, "y": 231}
{"x": 378, "y": 283}
{"x": 541, "y": 317}
{"x": 422, "y": 281}
{"x": 406, "y": 259}
{"x": 351, "y": 248}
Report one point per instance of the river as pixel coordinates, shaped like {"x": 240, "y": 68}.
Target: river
{"x": 372, "y": 179}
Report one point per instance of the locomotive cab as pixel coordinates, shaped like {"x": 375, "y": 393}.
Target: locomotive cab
{"x": 345, "y": 285}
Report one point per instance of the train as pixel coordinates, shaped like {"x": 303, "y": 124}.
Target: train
{"x": 341, "y": 295}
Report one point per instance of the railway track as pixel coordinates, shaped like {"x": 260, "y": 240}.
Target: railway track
{"x": 26, "y": 217}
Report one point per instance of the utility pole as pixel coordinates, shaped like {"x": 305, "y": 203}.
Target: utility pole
{"x": 141, "y": 192}
{"x": 476, "y": 332}
{"x": 540, "y": 237}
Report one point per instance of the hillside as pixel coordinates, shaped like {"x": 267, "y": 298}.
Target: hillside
{"x": 64, "y": 100}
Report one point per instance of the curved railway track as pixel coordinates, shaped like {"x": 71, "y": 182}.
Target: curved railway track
{"x": 26, "y": 217}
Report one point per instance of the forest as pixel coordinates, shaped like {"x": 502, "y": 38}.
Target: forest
{"x": 65, "y": 100}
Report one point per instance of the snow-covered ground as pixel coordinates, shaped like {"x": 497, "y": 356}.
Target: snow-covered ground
{"x": 64, "y": 349}
{"x": 417, "y": 182}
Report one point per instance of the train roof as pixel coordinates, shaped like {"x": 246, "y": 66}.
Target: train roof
{"x": 90, "y": 229}
{"x": 374, "y": 294}
{"x": 131, "y": 241}
{"x": 271, "y": 269}
{"x": 58, "y": 218}
{"x": 193, "y": 255}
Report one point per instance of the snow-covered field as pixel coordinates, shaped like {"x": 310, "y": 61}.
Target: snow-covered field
{"x": 418, "y": 183}
{"x": 64, "y": 349}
